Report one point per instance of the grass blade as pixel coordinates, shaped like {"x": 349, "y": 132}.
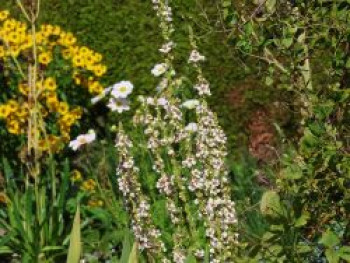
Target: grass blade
{"x": 75, "y": 242}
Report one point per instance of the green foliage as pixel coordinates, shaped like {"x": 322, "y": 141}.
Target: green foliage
{"x": 74, "y": 251}
{"x": 34, "y": 217}
{"x": 304, "y": 47}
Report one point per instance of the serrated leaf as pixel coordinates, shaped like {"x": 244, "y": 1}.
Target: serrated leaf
{"x": 271, "y": 6}
{"x": 302, "y": 220}
{"x": 287, "y": 42}
{"x": 270, "y": 204}
{"x": 344, "y": 253}
{"x": 329, "y": 239}
{"x": 332, "y": 256}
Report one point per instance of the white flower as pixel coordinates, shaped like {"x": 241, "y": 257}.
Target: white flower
{"x": 166, "y": 48}
{"x": 196, "y": 57}
{"x": 82, "y": 139}
{"x": 159, "y": 69}
{"x": 203, "y": 89}
{"x": 190, "y": 104}
{"x": 191, "y": 127}
{"x": 162, "y": 85}
{"x": 119, "y": 105}
{"x": 122, "y": 89}
{"x": 162, "y": 101}
{"x": 150, "y": 101}
{"x": 99, "y": 97}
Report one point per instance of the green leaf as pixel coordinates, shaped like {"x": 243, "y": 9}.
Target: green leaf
{"x": 133, "y": 258}
{"x": 287, "y": 42}
{"x": 344, "y": 253}
{"x": 292, "y": 172}
{"x": 271, "y": 6}
{"x": 347, "y": 65}
{"x": 302, "y": 220}
{"x": 303, "y": 249}
{"x": 126, "y": 248}
{"x": 329, "y": 239}
{"x": 332, "y": 256}
{"x": 270, "y": 204}
{"x": 75, "y": 242}
{"x": 268, "y": 81}
{"x": 226, "y": 3}
{"x": 191, "y": 259}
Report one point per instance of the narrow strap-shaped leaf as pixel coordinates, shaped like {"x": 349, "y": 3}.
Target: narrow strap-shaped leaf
{"x": 75, "y": 245}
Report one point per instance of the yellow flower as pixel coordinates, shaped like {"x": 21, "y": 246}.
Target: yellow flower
{"x": 67, "y": 39}
{"x": 13, "y": 127}
{"x": 23, "y": 88}
{"x": 22, "y": 114}
{"x": 2, "y": 51}
{"x": 67, "y": 120}
{"x": 63, "y": 108}
{"x": 78, "y": 61}
{"x": 3, "y": 198}
{"x": 97, "y": 57}
{"x": 52, "y": 103}
{"x": 95, "y": 87}
{"x": 84, "y": 50}
{"x": 13, "y": 37}
{"x": 66, "y": 53}
{"x": 88, "y": 185}
{"x": 13, "y": 105}
{"x": 50, "y": 84}
{"x": 76, "y": 176}
{"x": 4, "y": 14}
{"x": 45, "y": 58}
{"x": 46, "y": 30}
{"x": 4, "y": 111}
{"x": 39, "y": 38}
{"x": 77, "y": 112}
{"x": 56, "y": 30}
{"x": 9, "y": 25}
{"x": 99, "y": 70}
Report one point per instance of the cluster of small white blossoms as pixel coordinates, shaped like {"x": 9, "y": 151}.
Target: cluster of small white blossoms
{"x": 187, "y": 156}
{"x": 118, "y": 94}
{"x": 209, "y": 176}
{"x": 137, "y": 204}
{"x": 218, "y": 208}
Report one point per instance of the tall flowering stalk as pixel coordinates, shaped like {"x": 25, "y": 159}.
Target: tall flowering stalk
{"x": 176, "y": 161}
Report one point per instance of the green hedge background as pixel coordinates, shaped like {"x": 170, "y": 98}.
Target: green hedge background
{"x": 126, "y": 33}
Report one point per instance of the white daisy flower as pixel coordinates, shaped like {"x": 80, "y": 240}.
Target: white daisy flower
{"x": 122, "y": 89}
{"x": 191, "y": 127}
{"x": 159, "y": 69}
{"x": 83, "y": 139}
{"x": 190, "y": 104}
{"x": 195, "y": 57}
{"x": 118, "y": 105}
